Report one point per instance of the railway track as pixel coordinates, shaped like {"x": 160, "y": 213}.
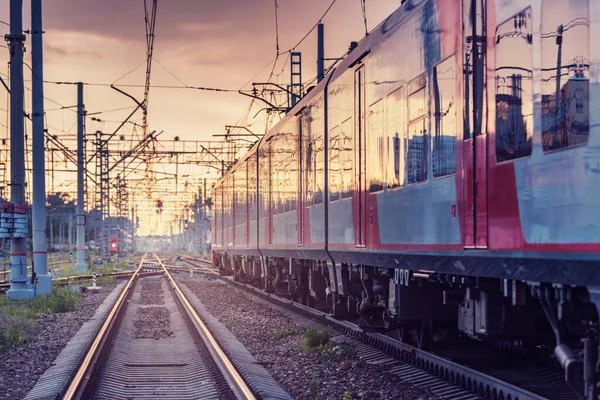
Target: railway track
{"x": 486, "y": 372}
{"x": 154, "y": 343}
{"x": 67, "y": 280}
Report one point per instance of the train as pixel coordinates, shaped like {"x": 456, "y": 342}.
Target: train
{"x": 444, "y": 178}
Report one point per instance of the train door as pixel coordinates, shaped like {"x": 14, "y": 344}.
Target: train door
{"x": 360, "y": 189}
{"x": 301, "y": 203}
{"x": 474, "y": 118}
{"x": 269, "y": 224}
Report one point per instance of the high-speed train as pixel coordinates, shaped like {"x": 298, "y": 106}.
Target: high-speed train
{"x": 445, "y": 176}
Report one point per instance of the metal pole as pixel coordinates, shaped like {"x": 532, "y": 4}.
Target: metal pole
{"x": 204, "y": 220}
{"x": 18, "y": 258}
{"x": 70, "y": 233}
{"x": 40, "y": 241}
{"x": 558, "y": 123}
{"x": 320, "y": 52}
{"x": 132, "y": 230}
{"x": 80, "y": 266}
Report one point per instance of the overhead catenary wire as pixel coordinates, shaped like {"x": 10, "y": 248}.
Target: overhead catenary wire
{"x": 314, "y": 27}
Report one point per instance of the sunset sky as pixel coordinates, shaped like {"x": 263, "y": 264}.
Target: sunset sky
{"x": 221, "y": 44}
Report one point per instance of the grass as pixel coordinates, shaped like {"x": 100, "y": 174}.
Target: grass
{"x": 285, "y": 333}
{"x": 17, "y": 317}
{"x": 101, "y": 281}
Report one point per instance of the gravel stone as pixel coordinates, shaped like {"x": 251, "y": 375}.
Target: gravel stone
{"x": 152, "y": 291}
{"x": 276, "y": 342}
{"x": 21, "y": 366}
{"x": 152, "y": 323}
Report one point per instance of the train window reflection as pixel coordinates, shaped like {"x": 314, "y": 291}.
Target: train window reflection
{"x": 514, "y": 87}
{"x": 252, "y": 187}
{"x": 335, "y": 172}
{"x": 444, "y": 103}
{"x": 264, "y": 181}
{"x": 565, "y": 73}
{"x": 347, "y": 157}
{"x": 375, "y": 149}
{"x": 416, "y": 141}
{"x": 396, "y": 110}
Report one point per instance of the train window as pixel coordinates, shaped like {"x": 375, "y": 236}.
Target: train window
{"x": 252, "y": 187}
{"x": 396, "y": 126}
{"x": 291, "y": 168}
{"x": 319, "y": 165}
{"x": 514, "y": 87}
{"x": 444, "y": 104}
{"x": 314, "y": 154}
{"x": 309, "y": 172}
{"x": 335, "y": 172}
{"x": 240, "y": 196}
{"x": 375, "y": 148}
{"x": 565, "y": 74}
{"x": 416, "y": 146}
{"x": 264, "y": 180}
{"x": 347, "y": 158}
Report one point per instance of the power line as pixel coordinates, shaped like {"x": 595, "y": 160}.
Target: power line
{"x": 313, "y": 28}
{"x": 130, "y": 71}
{"x": 143, "y": 86}
{"x": 169, "y": 71}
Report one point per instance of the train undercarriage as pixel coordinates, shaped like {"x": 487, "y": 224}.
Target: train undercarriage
{"x": 418, "y": 306}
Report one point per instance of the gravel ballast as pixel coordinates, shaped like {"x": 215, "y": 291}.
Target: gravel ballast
{"x": 275, "y": 341}
{"x": 152, "y": 292}
{"x": 21, "y": 366}
{"x": 152, "y": 323}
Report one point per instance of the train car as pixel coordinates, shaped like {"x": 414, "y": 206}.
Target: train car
{"x": 445, "y": 176}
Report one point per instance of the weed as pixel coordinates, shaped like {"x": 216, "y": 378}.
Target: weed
{"x": 17, "y": 318}
{"x": 335, "y": 350}
{"x": 14, "y": 330}
{"x": 286, "y": 332}
{"x": 314, "y": 340}
{"x": 347, "y": 396}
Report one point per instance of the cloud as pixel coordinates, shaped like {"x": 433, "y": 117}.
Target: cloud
{"x": 54, "y": 53}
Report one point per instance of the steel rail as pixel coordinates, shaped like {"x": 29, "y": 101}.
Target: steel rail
{"x": 80, "y": 278}
{"x": 79, "y": 382}
{"x": 230, "y": 373}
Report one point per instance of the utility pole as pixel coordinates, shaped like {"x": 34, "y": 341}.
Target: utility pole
{"x": 18, "y": 257}
{"x": 559, "y": 41}
{"x": 133, "y": 226}
{"x": 320, "y": 52}
{"x": 40, "y": 241}
{"x": 80, "y": 266}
